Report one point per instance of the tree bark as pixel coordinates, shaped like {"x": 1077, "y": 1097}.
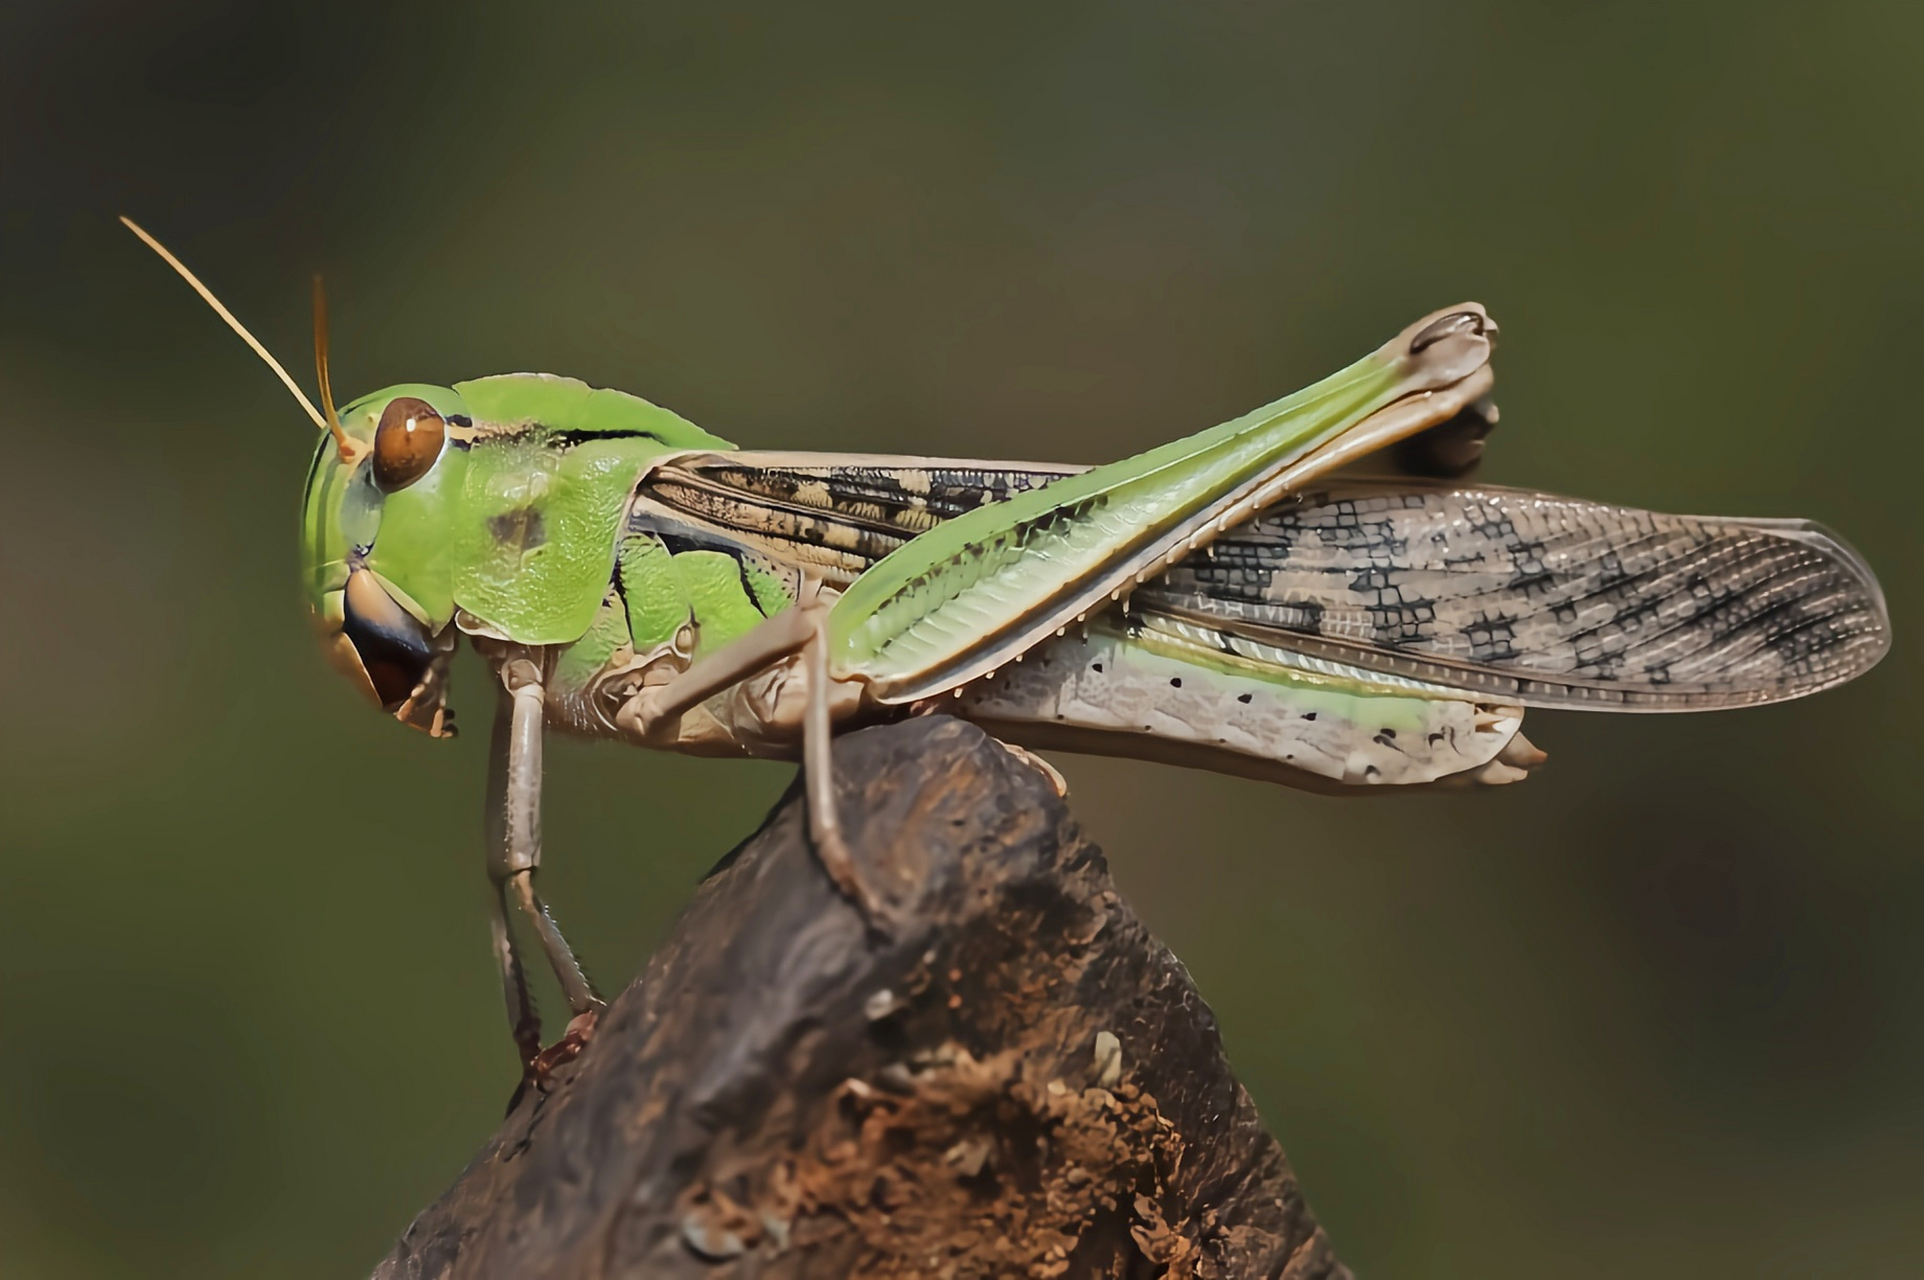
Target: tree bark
{"x": 1016, "y": 1080}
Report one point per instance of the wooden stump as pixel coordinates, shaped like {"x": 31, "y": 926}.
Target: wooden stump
{"x": 1018, "y": 1081}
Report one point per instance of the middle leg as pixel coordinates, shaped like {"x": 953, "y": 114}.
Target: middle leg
{"x": 799, "y": 631}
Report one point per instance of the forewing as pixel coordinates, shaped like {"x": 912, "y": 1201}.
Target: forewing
{"x": 834, "y": 513}
{"x": 1498, "y": 594}
{"x": 1539, "y": 600}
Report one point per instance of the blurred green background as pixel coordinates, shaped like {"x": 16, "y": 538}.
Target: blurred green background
{"x": 1659, "y": 1011}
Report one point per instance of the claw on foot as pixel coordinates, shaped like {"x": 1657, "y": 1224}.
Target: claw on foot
{"x": 541, "y": 1067}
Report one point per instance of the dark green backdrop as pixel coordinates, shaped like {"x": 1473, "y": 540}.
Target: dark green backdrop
{"x": 1656, "y": 1011}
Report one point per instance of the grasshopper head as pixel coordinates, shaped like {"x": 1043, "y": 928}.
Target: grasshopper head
{"x": 374, "y": 549}
{"x": 375, "y": 556}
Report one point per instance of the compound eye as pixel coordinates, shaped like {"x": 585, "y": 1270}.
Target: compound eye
{"x": 406, "y": 442}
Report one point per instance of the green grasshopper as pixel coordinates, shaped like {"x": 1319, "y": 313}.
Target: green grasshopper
{"x": 1226, "y": 601}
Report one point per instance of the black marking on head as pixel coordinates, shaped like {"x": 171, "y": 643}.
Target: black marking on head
{"x": 522, "y": 529}
{"x": 569, "y": 439}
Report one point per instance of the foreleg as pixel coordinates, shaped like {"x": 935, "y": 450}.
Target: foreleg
{"x": 514, "y": 853}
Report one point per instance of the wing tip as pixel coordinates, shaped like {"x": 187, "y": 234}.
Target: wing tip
{"x": 1833, "y": 546}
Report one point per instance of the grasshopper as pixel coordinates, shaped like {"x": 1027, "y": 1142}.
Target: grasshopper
{"x": 1235, "y": 600}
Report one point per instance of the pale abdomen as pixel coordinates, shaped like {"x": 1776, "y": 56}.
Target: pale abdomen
{"x": 1159, "y": 693}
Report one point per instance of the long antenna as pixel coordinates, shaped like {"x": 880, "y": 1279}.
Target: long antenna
{"x": 320, "y": 369}
{"x": 207, "y": 295}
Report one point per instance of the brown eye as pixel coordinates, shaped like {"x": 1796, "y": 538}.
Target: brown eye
{"x": 406, "y": 443}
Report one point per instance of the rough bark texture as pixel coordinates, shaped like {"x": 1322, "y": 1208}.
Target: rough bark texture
{"x": 1018, "y": 1081}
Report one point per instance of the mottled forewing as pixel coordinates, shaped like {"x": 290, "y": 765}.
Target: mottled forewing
{"x": 1542, "y": 600}
{"x": 1500, "y": 594}
{"x": 835, "y": 514}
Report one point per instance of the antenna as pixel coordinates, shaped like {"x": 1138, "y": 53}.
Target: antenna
{"x": 320, "y": 369}
{"x": 330, "y": 423}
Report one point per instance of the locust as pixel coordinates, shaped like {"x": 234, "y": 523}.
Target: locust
{"x": 1243, "y": 599}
